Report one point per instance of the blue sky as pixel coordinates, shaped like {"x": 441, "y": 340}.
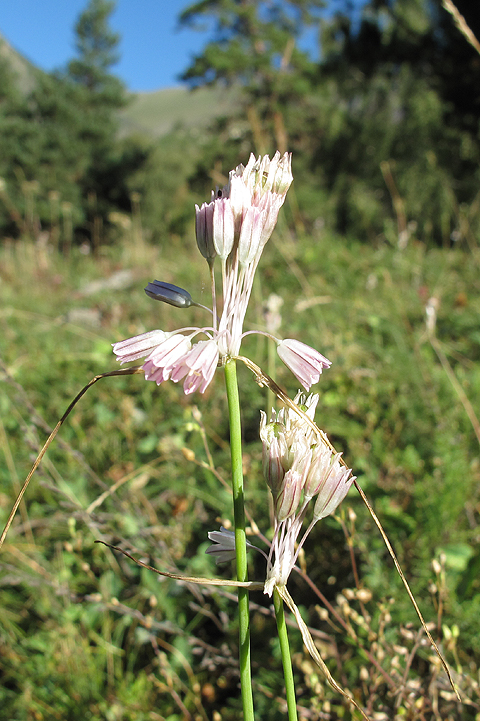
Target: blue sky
{"x": 153, "y": 52}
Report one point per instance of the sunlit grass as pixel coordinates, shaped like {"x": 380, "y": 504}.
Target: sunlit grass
{"x": 86, "y": 634}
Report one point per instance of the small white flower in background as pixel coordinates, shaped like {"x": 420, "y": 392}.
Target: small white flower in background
{"x": 431, "y": 308}
{"x": 271, "y": 313}
{"x": 298, "y": 466}
{"x": 234, "y": 226}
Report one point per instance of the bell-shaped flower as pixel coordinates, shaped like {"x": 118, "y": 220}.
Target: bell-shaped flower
{"x": 223, "y": 227}
{"x": 139, "y": 346}
{"x": 250, "y": 236}
{"x": 324, "y": 463}
{"x": 334, "y": 489}
{"x": 197, "y": 366}
{"x": 273, "y": 451}
{"x": 223, "y": 547}
{"x": 166, "y": 356}
{"x": 305, "y": 362}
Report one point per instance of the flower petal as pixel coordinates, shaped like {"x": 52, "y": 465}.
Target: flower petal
{"x": 305, "y": 362}
{"x": 139, "y": 346}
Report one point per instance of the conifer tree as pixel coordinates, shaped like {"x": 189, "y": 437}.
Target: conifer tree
{"x": 98, "y": 95}
{"x": 390, "y": 110}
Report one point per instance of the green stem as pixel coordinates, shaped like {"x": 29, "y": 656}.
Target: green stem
{"x": 240, "y": 538}
{"x": 286, "y": 659}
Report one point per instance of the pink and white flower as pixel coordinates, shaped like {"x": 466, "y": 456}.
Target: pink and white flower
{"x": 311, "y": 469}
{"x": 234, "y": 226}
{"x": 139, "y": 346}
{"x": 305, "y": 362}
{"x": 197, "y": 366}
{"x": 165, "y": 357}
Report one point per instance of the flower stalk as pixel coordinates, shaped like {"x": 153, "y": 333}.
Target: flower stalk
{"x": 240, "y": 537}
{"x": 286, "y": 658}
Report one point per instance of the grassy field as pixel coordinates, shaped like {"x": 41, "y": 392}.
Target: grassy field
{"x": 87, "y": 634}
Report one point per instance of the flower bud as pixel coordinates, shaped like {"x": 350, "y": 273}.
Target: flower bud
{"x": 204, "y": 231}
{"x": 168, "y": 293}
{"x": 274, "y": 449}
{"x": 289, "y": 497}
{"x": 334, "y": 490}
{"x": 250, "y": 235}
{"x": 323, "y": 462}
{"x": 223, "y": 227}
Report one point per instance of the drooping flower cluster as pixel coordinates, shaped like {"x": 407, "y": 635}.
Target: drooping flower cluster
{"x": 234, "y": 227}
{"x": 298, "y": 466}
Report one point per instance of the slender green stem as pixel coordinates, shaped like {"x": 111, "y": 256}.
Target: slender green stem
{"x": 240, "y": 538}
{"x": 286, "y": 659}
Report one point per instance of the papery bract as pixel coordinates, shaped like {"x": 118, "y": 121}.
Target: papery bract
{"x": 204, "y": 231}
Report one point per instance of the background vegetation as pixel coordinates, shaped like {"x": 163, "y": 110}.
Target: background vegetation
{"x": 382, "y": 224}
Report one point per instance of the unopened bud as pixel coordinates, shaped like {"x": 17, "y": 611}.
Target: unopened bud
{"x": 289, "y": 497}
{"x": 223, "y": 227}
{"x": 204, "y": 231}
{"x": 168, "y": 293}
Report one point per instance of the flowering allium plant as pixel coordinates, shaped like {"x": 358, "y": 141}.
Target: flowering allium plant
{"x": 234, "y": 227}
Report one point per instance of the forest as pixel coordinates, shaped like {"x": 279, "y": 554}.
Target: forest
{"x": 374, "y": 262}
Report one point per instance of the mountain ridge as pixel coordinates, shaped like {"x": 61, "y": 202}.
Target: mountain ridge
{"x": 24, "y": 70}
{"x": 152, "y": 114}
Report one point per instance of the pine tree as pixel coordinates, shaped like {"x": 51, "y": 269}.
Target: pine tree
{"x": 255, "y": 47}
{"x": 98, "y": 95}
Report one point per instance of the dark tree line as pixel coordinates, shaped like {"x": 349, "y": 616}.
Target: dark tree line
{"x": 384, "y": 126}
{"x": 384, "y": 123}
{"x": 59, "y": 147}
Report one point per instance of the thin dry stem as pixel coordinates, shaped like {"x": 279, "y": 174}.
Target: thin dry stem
{"x": 458, "y": 388}
{"x": 461, "y": 24}
{"x": 122, "y": 372}
{"x": 312, "y": 649}
{"x": 251, "y": 585}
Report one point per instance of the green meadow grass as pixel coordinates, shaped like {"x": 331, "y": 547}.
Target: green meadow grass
{"x": 87, "y": 634}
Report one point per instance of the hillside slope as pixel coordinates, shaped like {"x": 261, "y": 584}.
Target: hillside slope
{"x": 24, "y": 70}
{"x": 153, "y": 114}
{"x": 157, "y": 113}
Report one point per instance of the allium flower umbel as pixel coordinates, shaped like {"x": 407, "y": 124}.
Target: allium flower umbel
{"x": 299, "y": 467}
{"x": 234, "y": 227}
